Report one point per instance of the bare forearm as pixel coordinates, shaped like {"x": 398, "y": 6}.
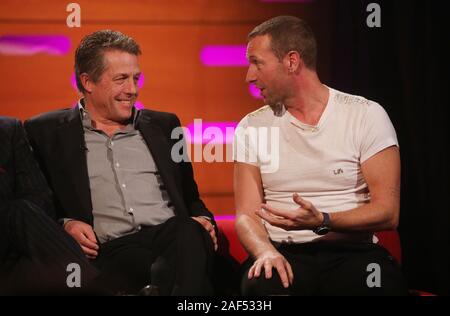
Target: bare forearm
{"x": 253, "y": 235}
{"x": 370, "y": 217}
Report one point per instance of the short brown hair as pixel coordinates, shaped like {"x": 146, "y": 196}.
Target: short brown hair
{"x": 89, "y": 54}
{"x": 289, "y": 33}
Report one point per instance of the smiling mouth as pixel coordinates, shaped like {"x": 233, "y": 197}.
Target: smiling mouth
{"x": 128, "y": 102}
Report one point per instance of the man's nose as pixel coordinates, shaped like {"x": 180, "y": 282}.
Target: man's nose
{"x": 250, "y": 78}
{"x": 131, "y": 87}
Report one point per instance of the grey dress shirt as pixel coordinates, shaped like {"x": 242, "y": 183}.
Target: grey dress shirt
{"x": 126, "y": 189}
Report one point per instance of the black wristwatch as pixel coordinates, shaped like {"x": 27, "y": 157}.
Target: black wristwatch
{"x": 324, "y": 228}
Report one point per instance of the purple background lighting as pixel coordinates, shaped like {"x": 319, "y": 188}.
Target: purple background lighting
{"x": 26, "y": 45}
{"x": 224, "y": 55}
{"x": 225, "y": 217}
{"x": 198, "y": 138}
{"x": 254, "y": 91}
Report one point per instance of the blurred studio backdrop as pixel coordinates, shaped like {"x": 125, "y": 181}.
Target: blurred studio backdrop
{"x": 194, "y": 65}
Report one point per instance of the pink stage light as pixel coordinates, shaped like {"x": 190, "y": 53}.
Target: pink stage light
{"x": 138, "y": 105}
{"x": 27, "y": 45}
{"x": 224, "y": 217}
{"x": 196, "y": 133}
{"x": 224, "y": 56}
{"x": 254, "y": 91}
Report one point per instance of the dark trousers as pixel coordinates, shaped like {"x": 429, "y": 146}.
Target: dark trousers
{"x": 332, "y": 268}
{"x": 175, "y": 256}
{"x": 37, "y": 254}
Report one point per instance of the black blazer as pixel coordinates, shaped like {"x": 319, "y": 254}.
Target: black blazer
{"x": 58, "y": 141}
{"x": 21, "y": 180}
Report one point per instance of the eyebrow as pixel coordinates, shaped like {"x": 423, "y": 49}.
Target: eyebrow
{"x": 127, "y": 75}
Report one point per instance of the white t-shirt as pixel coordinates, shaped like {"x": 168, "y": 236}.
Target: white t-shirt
{"x": 321, "y": 163}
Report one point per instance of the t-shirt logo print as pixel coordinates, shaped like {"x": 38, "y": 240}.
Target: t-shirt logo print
{"x": 338, "y": 171}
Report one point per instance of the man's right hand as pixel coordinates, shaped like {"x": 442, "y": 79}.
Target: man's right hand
{"x": 269, "y": 260}
{"x": 85, "y": 236}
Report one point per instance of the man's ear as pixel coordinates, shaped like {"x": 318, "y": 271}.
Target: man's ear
{"x": 86, "y": 81}
{"x": 293, "y": 62}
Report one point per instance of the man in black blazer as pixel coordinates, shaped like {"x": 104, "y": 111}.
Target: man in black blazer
{"x": 34, "y": 251}
{"x": 118, "y": 191}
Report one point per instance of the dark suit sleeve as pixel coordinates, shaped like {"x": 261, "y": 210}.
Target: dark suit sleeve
{"x": 191, "y": 195}
{"x": 30, "y": 184}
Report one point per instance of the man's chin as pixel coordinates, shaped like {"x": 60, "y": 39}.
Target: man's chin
{"x": 124, "y": 114}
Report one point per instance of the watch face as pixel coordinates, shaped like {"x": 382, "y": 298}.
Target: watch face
{"x": 322, "y": 231}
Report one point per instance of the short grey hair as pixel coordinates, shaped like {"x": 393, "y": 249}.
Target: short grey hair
{"x": 89, "y": 54}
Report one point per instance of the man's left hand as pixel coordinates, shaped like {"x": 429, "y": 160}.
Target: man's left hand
{"x": 209, "y": 228}
{"x": 306, "y": 217}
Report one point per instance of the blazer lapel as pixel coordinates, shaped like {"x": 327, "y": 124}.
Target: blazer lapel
{"x": 160, "y": 150}
{"x": 70, "y": 138}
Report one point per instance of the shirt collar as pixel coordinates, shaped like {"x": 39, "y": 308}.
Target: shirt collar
{"x": 86, "y": 119}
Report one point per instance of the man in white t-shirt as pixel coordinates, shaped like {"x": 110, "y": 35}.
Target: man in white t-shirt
{"x": 317, "y": 172}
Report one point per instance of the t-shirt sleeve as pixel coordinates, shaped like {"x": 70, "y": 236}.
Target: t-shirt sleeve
{"x": 378, "y": 133}
{"x": 244, "y": 144}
